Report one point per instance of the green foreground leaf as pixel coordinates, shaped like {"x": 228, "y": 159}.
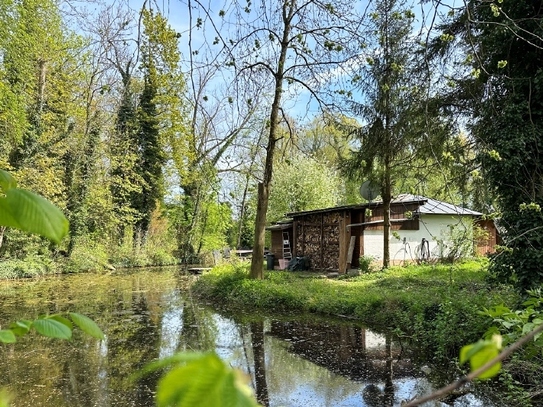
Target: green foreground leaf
{"x": 22, "y": 327}
{"x": 206, "y": 381}
{"x": 7, "y": 336}
{"x": 87, "y": 325}
{"x": 7, "y": 181}
{"x": 32, "y": 213}
{"x": 479, "y": 354}
{"x": 62, "y": 320}
{"x": 176, "y": 359}
{"x": 52, "y": 328}
{"x": 5, "y": 398}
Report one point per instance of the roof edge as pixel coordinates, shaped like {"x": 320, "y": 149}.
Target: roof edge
{"x": 420, "y": 200}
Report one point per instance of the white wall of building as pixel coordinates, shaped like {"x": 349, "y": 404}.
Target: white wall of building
{"x": 432, "y": 228}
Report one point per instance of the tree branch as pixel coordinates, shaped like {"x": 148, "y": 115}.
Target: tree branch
{"x": 477, "y": 372}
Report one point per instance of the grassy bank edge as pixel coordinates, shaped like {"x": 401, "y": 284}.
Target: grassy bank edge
{"x": 40, "y": 265}
{"x": 434, "y": 306}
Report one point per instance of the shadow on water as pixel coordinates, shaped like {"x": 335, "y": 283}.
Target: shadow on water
{"x": 292, "y": 361}
{"x": 351, "y": 351}
{"x": 259, "y": 356}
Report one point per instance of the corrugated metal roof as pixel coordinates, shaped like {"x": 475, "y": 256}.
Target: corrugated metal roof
{"x": 435, "y": 207}
{"x": 428, "y": 206}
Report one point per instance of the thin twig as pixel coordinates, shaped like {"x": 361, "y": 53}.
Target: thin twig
{"x": 466, "y": 379}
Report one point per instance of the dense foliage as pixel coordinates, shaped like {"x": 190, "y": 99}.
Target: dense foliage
{"x": 96, "y": 123}
{"x": 502, "y": 89}
{"x": 302, "y": 183}
{"x": 155, "y": 155}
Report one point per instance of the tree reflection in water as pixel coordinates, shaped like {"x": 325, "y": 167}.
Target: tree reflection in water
{"x": 133, "y": 341}
{"x": 257, "y": 343}
{"x": 293, "y": 361}
{"x": 198, "y": 331}
{"x": 350, "y": 351}
{"x": 372, "y": 394}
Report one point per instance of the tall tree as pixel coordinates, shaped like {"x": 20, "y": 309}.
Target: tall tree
{"x": 151, "y": 149}
{"x": 37, "y": 61}
{"x": 222, "y": 121}
{"x": 87, "y": 186}
{"x": 124, "y": 182}
{"x": 284, "y": 45}
{"x": 499, "y": 84}
{"x": 396, "y": 119}
{"x": 150, "y": 124}
{"x": 41, "y": 73}
{"x": 302, "y": 183}
{"x": 151, "y": 157}
{"x": 119, "y": 52}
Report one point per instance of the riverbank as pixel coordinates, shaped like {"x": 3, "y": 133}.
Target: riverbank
{"x": 150, "y": 314}
{"x": 435, "y": 307}
{"x": 81, "y": 261}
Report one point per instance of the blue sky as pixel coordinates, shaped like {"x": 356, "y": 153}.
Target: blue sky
{"x": 297, "y": 103}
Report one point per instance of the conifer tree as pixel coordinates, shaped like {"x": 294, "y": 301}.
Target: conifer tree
{"x": 398, "y": 123}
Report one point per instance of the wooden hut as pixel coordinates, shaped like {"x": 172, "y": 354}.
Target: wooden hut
{"x": 334, "y": 239}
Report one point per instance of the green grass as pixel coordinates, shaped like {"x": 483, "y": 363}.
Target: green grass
{"x": 435, "y": 307}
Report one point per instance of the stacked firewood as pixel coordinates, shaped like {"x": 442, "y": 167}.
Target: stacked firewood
{"x": 318, "y": 239}
{"x": 330, "y": 247}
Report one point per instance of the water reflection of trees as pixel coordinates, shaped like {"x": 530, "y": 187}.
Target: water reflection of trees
{"x": 372, "y": 394}
{"x": 257, "y": 344}
{"x": 343, "y": 349}
{"x": 290, "y": 379}
{"x": 350, "y": 351}
{"x": 133, "y": 341}
{"x": 198, "y": 329}
{"x": 40, "y": 371}
{"x": 145, "y": 316}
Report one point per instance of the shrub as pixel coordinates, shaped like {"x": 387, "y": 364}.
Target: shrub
{"x": 88, "y": 255}
{"x": 161, "y": 257}
{"x": 30, "y": 266}
{"x": 367, "y": 264}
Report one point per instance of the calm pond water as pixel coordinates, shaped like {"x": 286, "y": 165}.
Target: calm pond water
{"x": 293, "y": 361}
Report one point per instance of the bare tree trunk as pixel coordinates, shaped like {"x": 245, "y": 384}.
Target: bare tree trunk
{"x": 387, "y": 187}
{"x": 2, "y": 230}
{"x": 387, "y": 198}
{"x": 246, "y": 191}
{"x": 257, "y": 261}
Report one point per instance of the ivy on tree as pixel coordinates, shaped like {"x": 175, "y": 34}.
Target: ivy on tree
{"x": 499, "y": 84}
